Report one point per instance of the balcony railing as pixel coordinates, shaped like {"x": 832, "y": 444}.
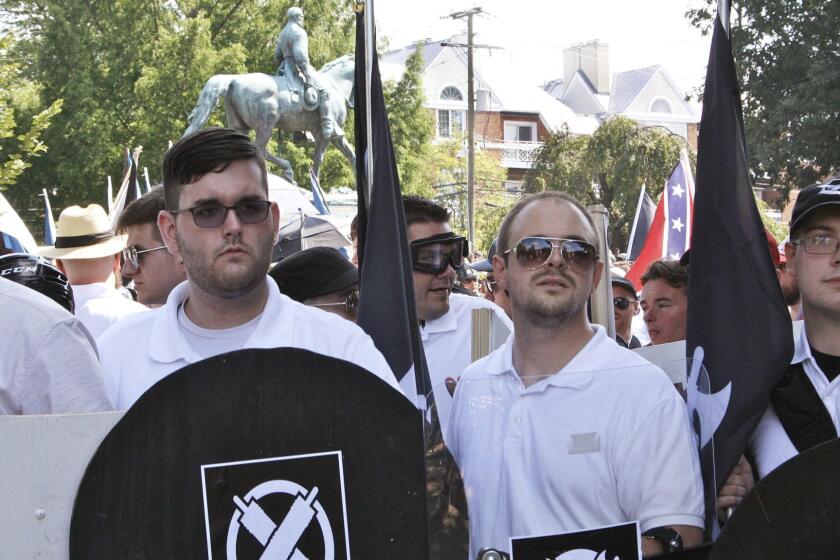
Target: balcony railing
{"x": 519, "y": 155}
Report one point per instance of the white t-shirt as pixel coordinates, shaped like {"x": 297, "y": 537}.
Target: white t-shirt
{"x": 770, "y": 443}
{"x": 99, "y": 306}
{"x": 447, "y": 342}
{"x": 212, "y": 342}
{"x": 604, "y": 440}
{"x": 141, "y": 350}
{"x": 49, "y": 363}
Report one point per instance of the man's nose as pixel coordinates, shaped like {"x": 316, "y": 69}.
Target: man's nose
{"x": 232, "y": 224}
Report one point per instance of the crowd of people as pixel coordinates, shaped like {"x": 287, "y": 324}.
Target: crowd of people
{"x": 574, "y": 430}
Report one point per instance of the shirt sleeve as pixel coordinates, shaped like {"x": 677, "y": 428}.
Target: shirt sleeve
{"x": 366, "y": 355}
{"x": 658, "y": 469}
{"x": 63, "y": 374}
{"x": 770, "y": 443}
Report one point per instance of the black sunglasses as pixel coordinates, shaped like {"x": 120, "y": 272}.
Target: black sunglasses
{"x": 533, "y": 252}
{"x": 437, "y": 253}
{"x": 350, "y": 303}
{"x": 213, "y": 215}
{"x": 623, "y": 302}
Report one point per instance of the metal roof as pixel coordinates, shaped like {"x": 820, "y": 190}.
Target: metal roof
{"x": 628, "y": 85}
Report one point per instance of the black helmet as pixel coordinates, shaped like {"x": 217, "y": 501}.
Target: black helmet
{"x": 37, "y": 273}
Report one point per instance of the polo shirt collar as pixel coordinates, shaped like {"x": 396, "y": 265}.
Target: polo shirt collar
{"x": 577, "y": 374}
{"x": 448, "y": 322}
{"x": 91, "y": 291}
{"x": 802, "y": 350}
{"x": 167, "y": 342}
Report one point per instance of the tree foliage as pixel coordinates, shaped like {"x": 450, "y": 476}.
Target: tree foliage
{"x": 129, "y": 73}
{"x": 788, "y": 54}
{"x": 18, "y": 105}
{"x": 607, "y": 168}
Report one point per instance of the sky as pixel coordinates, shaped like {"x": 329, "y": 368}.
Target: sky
{"x": 534, "y": 33}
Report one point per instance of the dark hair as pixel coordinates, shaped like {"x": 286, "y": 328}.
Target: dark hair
{"x": 354, "y": 228}
{"x": 422, "y": 210}
{"x": 672, "y": 272}
{"x": 205, "y": 151}
{"x": 143, "y": 211}
{"x": 503, "y": 242}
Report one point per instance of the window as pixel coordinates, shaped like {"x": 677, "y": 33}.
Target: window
{"x": 451, "y": 93}
{"x": 660, "y": 105}
{"x": 520, "y": 132}
{"x": 450, "y": 123}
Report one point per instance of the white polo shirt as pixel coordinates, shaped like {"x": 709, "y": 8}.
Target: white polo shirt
{"x": 447, "y": 342}
{"x": 98, "y": 306}
{"x": 770, "y": 443}
{"x": 604, "y": 440}
{"x": 140, "y": 350}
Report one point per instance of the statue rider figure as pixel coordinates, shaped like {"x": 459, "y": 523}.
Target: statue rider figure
{"x": 292, "y": 57}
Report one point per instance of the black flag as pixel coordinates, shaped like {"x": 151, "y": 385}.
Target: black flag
{"x": 645, "y": 210}
{"x": 386, "y": 301}
{"x": 737, "y": 316}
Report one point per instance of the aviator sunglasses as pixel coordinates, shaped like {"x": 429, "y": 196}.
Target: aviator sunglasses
{"x": 623, "y": 302}
{"x": 533, "y": 252}
{"x": 351, "y": 303}
{"x": 435, "y": 254}
{"x": 213, "y": 214}
{"x": 131, "y": 256}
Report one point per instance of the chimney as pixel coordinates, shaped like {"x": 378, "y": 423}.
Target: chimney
{"x": 593, "y": 59}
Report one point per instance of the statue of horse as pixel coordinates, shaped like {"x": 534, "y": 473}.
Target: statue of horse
{"x": 261, "y": 102}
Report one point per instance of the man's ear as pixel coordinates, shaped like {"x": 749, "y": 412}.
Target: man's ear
{"x": 275, "y": 213}
{"x": 790, "y": 259}
{"x": 117, "y": 268}
{"x": 500, "y": 272}
{"x": 60, "y": 266}
{"x": 168, "y": 229}
{"x": 597, "y": 271}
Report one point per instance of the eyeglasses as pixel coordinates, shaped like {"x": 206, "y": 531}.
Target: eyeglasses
{"x": 623, "y": 302}
{"x": 131, "y": 256}
{"x": 437, "y": 253}
{"x": 819, "y": 243}
{"x": 490, "y": 284}
{"x": 213, "y": 215}
{"x": 534, "y": 252}
{"x": 350, "y": 303}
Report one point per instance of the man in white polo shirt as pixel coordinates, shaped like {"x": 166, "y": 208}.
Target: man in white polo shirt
{"x": 561, "y": 429}
{"x": 222, "y": 225}
{"x": 445, "y": 318}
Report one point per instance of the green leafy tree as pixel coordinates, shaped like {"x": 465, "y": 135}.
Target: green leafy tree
{"x": 19, "y": 104}
{"x": 411, "y": 126}
{"x": 608, "y": 168}
{"x": 787, "y": 53}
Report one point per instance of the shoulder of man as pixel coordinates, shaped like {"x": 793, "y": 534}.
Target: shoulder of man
{"x": 463, "y": 303}
{"x": 120, "y": 335}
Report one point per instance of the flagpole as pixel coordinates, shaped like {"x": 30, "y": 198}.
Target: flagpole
{"x": 370, "y": 52}
{"x": 635, "y": 221}
{"x": 723, "y": 14}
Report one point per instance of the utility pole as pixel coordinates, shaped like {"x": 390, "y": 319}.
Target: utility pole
{"x": 468, "y": 14}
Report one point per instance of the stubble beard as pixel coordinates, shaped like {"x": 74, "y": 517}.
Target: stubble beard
{"x": 547, "y": 312}
{"x": 225, "y": 286}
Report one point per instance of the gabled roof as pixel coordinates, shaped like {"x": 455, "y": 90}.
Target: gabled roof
{"x": 431, "y": 49}
{"x": 597, "y": 105}
{"x": 628, "y": 85}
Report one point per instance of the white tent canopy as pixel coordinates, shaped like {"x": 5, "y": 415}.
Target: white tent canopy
{"x": 11, "y": 224}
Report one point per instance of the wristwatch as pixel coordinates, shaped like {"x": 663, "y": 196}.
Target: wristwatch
{"x": 670, "y": 539}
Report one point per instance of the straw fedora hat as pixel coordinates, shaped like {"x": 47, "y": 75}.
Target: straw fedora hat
{"x": 84, "y": 233}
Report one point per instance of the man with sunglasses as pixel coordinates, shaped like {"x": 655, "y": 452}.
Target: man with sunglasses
{"x": 805, "y": 404}
{"x": 219, "y": 221}
{"x": 445, "y": 317}
{"x": 154, "y": 270}
{"x": 561, "y": 429}
{"x": 625, "y": 307}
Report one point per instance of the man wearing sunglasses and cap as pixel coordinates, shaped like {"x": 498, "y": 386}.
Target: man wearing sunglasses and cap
{"x": 804, "y": 406}
{"x": 625, "y": 307}
{"x": 154, "y": 270}
{"x": 445, "y": 317}
{"x": 219, "y": 221}
{"x": 561, "y": 429}
{"x": 88, "y": 253}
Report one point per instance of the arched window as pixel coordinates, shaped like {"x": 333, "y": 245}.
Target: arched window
{"x": 451, "y": 93}
{"x": 660, "y": 105}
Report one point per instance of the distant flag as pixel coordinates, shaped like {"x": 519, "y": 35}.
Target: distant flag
{"x": 670, "y": 232}
{"x": 16, "y": 235}
{"x": 737, "y": 318}
{"x": 146, "y": 177}
{"x": 110, "y": 195}
{"x": 645, "y": 210}
{"x": 386, "y": 306}
{"x": 129, "y": 188}
{"x": 318, "y": 198}
{"x": 49, "y": 222}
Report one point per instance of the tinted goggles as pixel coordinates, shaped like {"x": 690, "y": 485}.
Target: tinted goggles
{"x": 533, "y": 252}
{"x": 435, "y": 254}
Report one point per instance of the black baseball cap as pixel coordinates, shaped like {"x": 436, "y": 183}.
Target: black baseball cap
{"x": 623, "y": 282}
{"x": 487, "y": 264}
{"x": 813, "y": 197}
{"x": 314, "y": 272}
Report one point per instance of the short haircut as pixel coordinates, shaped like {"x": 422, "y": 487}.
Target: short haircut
{"x": 354, "y": 228}
{"x": 143, "y": 211}
{"x": 205, "y": 151}
{"x": 672, "y": 272}
{"x": 422, "y": 210}
{"x": 503, "y": 242}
